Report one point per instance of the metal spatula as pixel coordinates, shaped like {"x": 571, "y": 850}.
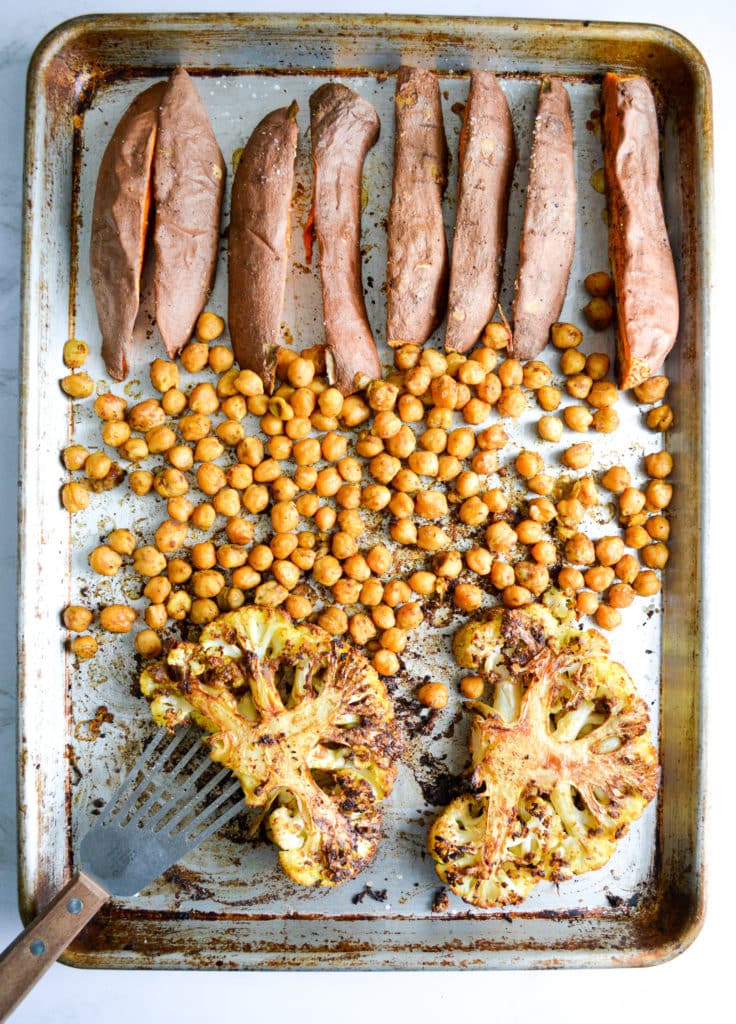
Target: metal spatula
{"x": 172, "y": 799}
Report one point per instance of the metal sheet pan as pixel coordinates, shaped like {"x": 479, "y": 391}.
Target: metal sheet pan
{"x": 228, "y": 905}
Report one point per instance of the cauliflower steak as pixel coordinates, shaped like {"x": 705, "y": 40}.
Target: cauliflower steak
{"x": 562, "y": 759}
{"x": 303, "y": 721}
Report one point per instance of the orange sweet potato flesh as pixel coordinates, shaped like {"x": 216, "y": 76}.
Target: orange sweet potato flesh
{"x": 120, "y": 224}
{"x": 487, "y": 157}
{"x": 344, "y": 126}
{"x": 260, "y": 218}
{"x": 189, "y": 183}
{"x": 647, "y": 304}
{"x": 417, "y": 266}
{"x": 548, "y": 232}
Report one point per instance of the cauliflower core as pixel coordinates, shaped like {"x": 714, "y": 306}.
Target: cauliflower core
{"x": 304, "y": 722}
{"x": 562, "y": 759}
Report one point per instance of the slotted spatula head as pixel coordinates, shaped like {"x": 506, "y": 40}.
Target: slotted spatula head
{"x": 172, "y": 799}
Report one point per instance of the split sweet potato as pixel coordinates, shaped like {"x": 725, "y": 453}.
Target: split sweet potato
{"x": 417, "y": 267}
{"x": 120, "y": 218}
{"x": 162, "y": 160}
{"x": 189, "y": 182}
{"x": 344, "y": 126}
{"x": 548, "y": 232}
{"x": 260, "y": 219}
{"x": 486, "y": 163}
{"x": 645, "y": 282}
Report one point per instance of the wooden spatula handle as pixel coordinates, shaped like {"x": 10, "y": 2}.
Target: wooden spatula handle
{"x": 46, "y": 938}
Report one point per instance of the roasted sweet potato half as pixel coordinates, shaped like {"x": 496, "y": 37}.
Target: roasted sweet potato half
{"x": 487, "y": 157}
{"x": 548, "y": 232}
{"x": 260, "y": 219}
{"x": 189, "y": 183}
{"x": 417, "y": 268}
{"x": 163, "y": 154}
{"x": 344, "y": 126}
{"x": 647, "y": 303}
{"x": 120, "y": 224}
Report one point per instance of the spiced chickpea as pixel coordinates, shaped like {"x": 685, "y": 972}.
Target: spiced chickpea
{"x": 207, "y": 582}
{"x": 449, "y": 466}
{"x": 532, "y": 575}
{"x": 620, "y": 595}
{"x": 578, "y": 456}
{"x": 515, "y": 596}
{"x": 572, "y": 362}
{"x": 570, "y": 511}
{"x": 473, "y": 511}
{"x": 616, "y": 479}
{"x": 460, "y": 442}
{"x": 441, "y": 418}
{"x": 502, "y": 574}
{"x": 394, "y": 639}
{"x": 607, "y": 616}
{"x": 549, "y": 428}
{"x": 173, "y": 402}
{"x": 203, "y": 555}
{"x": 74, "y": 456}
{"x": 627, "y": 568}
{"x": 579, "y": 550}
{"x": 599, "y": 578}
{"x": 483, "y": 462}
{"x": 603, "y": 394}
{"x": 117, "y": 618}
{"x": 586, "y": 603}
{"x": 231, "y": 556}
{"x": 230, "y": 599}
{"x": 570, "y": 580}
{"x": 122, "y": 541}
{"x": 652, "y": 390}
{"x": 489, "y": 390}
{"x": 148, "y": 644}
{"x": 496, "y": 500}
{"x": 283, "y": 488}
{"x": 535, "y": 374}
{"x": 409, "y": 616}
{"x": 471, "y": 687}
{"x": 246, "y": 578}
{"x": 605, "y": 421}
{"x": 433, "y": 695}
{"x": 658, "y": 494}
{"x": 434, "y": 440}
{"x": 501, "y": 537}
{"x": 528, "y": 463}
{"x": 659, "y": 464}
{"x": 109, "y": 407}
{"x": 542, "y": 483}
{"x": 371, "y": 593}
{"x": 354, "y": 411}
{"x": 528, "y": 531}
{"x": 380, "y": 559}
{"x": 327, "y": 570}
{"x": 448, "y": 564}
{"x": 660, "y": 418}
{"x": 325, "y": 518}
{"x": 410, "y": 409}
{"x": 544, "y": 552}
{"x": 255, "y": 498}
{"x": 496, "y": 336}
{"x": 396, "y": 592}
{"x": 565, "y": 336}
{"x": 549, "y": 397}
{"x": 658, "y": 527}
{"x": 77, "y": 618}
{"x": 386, "y": 663}
{"x": 423, "y": 582}
{"x": 579, "y": 385}
{"x": 467, "y": 484}
{"x": 361, "y": 628}
{"x": 298, "y": 606}
{"x": 631, "y": 500}
{"x": 468, "y": 597}
{"x": 542, "y": 510}
{"x": 636, "y": 537}
{"x": 511, "y": 402}
{"x": 431, "y": 504}
{"x": 104, "y": 561}
{"x": 647, "y": 584}
{"x": 655, "y": 555}
{"x": 577, "y": 418}
{"x": 597, "y": 365}
{"x": 307, "y": 505}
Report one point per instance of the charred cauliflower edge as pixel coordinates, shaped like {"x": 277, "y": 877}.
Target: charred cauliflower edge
{"x": 303, "y": 721}
{"x": 562, "y": 759}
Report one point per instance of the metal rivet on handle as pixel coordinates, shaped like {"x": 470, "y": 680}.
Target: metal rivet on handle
{"x": 74, "y": 905}
{"x": 38, "y": 947}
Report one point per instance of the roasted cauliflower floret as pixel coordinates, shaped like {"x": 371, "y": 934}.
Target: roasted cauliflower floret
{"x": 562, "y": 759}
{"x": 305, "y": 723}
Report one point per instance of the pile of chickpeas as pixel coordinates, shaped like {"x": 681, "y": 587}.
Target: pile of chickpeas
{"x": 295, "y": 513}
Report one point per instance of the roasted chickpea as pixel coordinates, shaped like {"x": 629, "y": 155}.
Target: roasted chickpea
{"x": 660, "y": 418}
{"x": 572, "y": 362}
{"x": 542, "y": 510}
{"x": 577, "y": 418}
{"x": 549, "y": 398}
{"x": 599, "y": 578}
{"x": 603, "y": 394}
{"x": 104, "y": 560}
{"x": 117, "y": 618}
{"x": 528, "y": 531}
{"x": 616, "y": 479}
{"x": 531, "y": 575}
{"x": 636, "y": 537}
{"x": 549, "y": 428}
{"x": 586, "y": 603}
{"x": 511, "y": 402}
{"x": 658, "y": 494}
{"x": 471, "y": 687}
{"x": 570, "y": 580}
{"x": 565, "y": 335}
{"x": 579, "y": 550}
{"x": 621, "y": 595}
{"x": 647, "y": 584}
{"x": 599, "y": 313}
{"x": 528, "y": 464}
{"x": 570, "y": 511}
{"x": 77, "y": 385}
{"x": 597, "y": 365}
{"x": 84, "y": 647}
{"x": 578, "y": 456}
{"x": 423, "y": 582}
{"x": 579, "y": 385}
{"x": 386, "y": 663}
{"x": 607, "y": 617}
{"x": 516, "y": 597}
{"x": 496, "y": 336}
{"x": 433, "y": 695}
{"x": 483, "y": 462}
{"x": 173, "y": 402}
{"x": 535, "y": 374}
{"x": 110, "y": 407}
{"x": 659, "y": 464}
{"x": 652, "y": 390}
{"x": 631, "y": 500}
{"x": 502, "y": 574}
{"x": 501, "y": 537}
{"x": 605, "y": 421}
{"x": 496, "y": 500}
{"x": 448, "y": 564}
{"x": 599, "y": 284}
{"x": 77, "y": 618}
{"x": 468, "y": 597}
{"x": 655, "y": 555}
{"x": 431, "y": 504}
{"x": 203, "y": 516}
{"x": 544, "y": 552}
{"x": 140, "y": 481}
{"x": 627, "y": 568}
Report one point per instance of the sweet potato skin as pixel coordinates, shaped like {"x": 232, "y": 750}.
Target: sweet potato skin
{"x": 189, "y": 182}
{"x": 487, "y": 159}
{"x": 548, "y": 232}
{"x": 344, "y": 126}
{"x": 119, "y": 226}
{"x": 417, "y": 265}
{"x": 259, "y": 242}
{"x": 645, "y": 281}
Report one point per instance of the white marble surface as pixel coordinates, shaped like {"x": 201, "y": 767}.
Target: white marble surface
{"x": 692, "y": 985}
